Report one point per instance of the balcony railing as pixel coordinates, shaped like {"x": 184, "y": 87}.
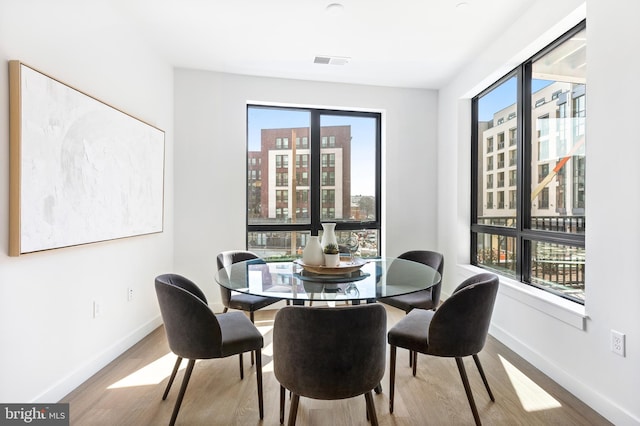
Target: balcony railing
{"x": 569, "y": 224}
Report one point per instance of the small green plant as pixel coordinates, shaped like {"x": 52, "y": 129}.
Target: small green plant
{"x": 331, "y": 249}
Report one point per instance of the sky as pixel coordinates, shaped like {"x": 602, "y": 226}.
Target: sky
{"x": 503, "y": 96}
{"x": 362, "y": 139}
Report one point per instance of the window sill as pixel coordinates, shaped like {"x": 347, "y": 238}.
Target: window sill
{"x": 564, "y": 310}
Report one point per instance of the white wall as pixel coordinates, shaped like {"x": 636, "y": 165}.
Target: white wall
{"x": 580, "y": 360}
{"x": 50, "y": 342}
{"x": 210, "y": 122}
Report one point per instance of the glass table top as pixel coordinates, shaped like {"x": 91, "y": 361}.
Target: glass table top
{"x": 375, "y": 278}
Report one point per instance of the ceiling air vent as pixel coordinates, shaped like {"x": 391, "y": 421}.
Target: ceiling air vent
{"x": 331, "y": 60}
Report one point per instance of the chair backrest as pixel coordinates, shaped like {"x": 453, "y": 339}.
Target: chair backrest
{"x": 184, "y": 283}
{"x": 429, "y": 258}
{"x": 227, "y": 258}
{"x": 460, "y": 325}
{"x": 191, "y": 327}
{"x": 330, "y": 353}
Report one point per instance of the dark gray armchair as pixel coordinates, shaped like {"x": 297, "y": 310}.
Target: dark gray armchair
{"x": 329, "y": 353}
{"x": 458, "y": 328}
{"x": 241, "y": 301}
{"x": 195, "y": 332}
{"x": 424, "y": 299}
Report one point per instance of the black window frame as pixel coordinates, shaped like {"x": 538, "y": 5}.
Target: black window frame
{"x": 315, "y": 190}
{"x": 525, "y": 237}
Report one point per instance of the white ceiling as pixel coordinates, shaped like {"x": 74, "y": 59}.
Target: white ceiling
{"x": 399, "y": 43}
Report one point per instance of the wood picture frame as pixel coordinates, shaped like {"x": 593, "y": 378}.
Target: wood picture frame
{"x": 81, "y": 171}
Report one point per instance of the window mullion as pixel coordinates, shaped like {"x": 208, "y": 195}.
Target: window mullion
{"x": 315, "y": 164}
{"x": 524, "y": 171}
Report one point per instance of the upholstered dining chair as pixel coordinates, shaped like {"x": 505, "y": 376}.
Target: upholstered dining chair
{"x": 241, "y": 301}
{"x": 424, "y": 299}
{"x": 329, "y": 353}
{"x": 195, "y": 332}
{"x": 458, "y": 328}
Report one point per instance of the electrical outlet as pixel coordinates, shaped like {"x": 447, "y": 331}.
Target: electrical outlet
{"x": 129, "y": 294}
{"x": 617, "y": 342}
{"x": 97, "y": 309}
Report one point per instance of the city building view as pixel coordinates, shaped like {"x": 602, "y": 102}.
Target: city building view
{"x": 557, "y": 179}
{"x": 280, "y": 190}
{"x": 280, "y": 175}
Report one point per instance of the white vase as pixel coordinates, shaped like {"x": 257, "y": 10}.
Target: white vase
{"x": 328, "y": 234}
{"x": 312, "y": 253}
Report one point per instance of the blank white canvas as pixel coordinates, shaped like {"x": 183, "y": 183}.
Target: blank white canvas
{"x": 88, "y": 171}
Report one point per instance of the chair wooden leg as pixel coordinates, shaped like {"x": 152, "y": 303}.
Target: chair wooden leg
{"x": 282, "y": 393}
{"x": 183, "y": 389}
{"x": 259, "y": 381}
{"x": 173, "y": 376}
{"x": 392, "y": 376}
{"x": 241, "y": 366}
{"x": 467, "y": 389}
{"x": 371, "y": 409}
{"x": 415, "y": 362}
{"x": 252, "y": 322}
{"x": 484, "y": 378}
{"x": 293, "y": 410}
{"x": 410, "y": 351}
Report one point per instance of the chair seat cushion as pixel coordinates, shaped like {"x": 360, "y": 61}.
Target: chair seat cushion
{"x": 419, "y": 299}
{"x": 249, "y": 302}
{"x": 238, "y": 334}
{"x": 412, "y": 331}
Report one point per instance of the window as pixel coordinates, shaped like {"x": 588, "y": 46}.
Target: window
{"x": 538, "y": 237}
{"x": 543, "y": 199}
{"x": 328, "y": 196}
{"x": 543, "y": 172}
{"x": 302, "y": 161}
{"x": 512, "y": 136}
{"x": 331, "y": 171}
{"x": 302, "y": 142}
{"x": 302, "y": 178}
{"x": 328, "y": 160}
{"x": 282, "y": 179}
{"x": 282, "y": 161}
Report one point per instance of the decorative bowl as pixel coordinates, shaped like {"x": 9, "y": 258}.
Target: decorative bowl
{"x": 346, "y": 266}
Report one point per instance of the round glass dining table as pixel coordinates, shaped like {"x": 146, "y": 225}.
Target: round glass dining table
{"x": 354, "y": 280}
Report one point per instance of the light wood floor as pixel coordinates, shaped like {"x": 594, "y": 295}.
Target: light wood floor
{"x": 129, "y": 391}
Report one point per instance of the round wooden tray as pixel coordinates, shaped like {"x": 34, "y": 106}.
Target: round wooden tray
{"x": 346, "y": 266}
